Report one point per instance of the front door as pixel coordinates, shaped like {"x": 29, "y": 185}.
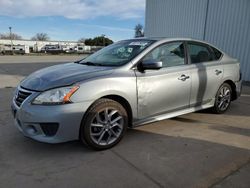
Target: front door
{"x": 167, "y": 89}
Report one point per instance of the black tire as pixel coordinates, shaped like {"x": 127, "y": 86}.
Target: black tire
{"x": 99, "y": 109}
{"x": 217, "y": 107}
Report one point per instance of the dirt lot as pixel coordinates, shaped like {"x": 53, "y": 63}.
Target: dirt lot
{"x": 194, "y": 150}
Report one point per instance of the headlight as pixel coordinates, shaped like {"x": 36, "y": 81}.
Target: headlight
{"x": 56, "y": 96}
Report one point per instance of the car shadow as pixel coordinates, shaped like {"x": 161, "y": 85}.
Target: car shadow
{"x": 231, "y": 129}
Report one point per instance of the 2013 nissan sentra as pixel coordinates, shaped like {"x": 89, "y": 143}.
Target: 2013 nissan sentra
{"x": 126, "y": 84}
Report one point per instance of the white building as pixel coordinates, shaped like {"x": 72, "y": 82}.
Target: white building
{"x": 36, "y": 46}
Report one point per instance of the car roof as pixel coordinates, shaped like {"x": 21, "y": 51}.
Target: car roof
{"x": 168, "y": 39}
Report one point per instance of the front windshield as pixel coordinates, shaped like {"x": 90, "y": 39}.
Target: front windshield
{"x": 118, "y": 53}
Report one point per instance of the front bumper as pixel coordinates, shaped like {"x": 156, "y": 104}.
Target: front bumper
{"x": 50, "y": 124}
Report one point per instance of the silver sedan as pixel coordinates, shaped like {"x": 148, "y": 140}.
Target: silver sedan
{"x": 126, "y": 84}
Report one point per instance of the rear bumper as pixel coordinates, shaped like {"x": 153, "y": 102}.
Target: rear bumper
{"x": 238, "y": 89}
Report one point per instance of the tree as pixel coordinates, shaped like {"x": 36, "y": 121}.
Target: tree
{"x": 41, "y": 37}
{"x": 98, "y": 41}
{"x": 13, "y": 36}
{"x": 81, "y": 40}
{"x": 139, "y": 31}
{"x": 89, "y": 42}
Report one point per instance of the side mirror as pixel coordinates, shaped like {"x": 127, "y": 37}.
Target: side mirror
{"x": 151, "y": 64}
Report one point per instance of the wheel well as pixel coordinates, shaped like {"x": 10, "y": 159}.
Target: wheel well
{"x": 125, "y": 105}
{"x": 233, "y": 87}
{"x": 120, "y": 100}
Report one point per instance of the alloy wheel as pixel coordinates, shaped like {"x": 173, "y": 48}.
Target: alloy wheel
{"x": 224, "y": 98}
{"x": 106, "y": 126}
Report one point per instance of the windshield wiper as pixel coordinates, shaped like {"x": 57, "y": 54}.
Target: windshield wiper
{"x": 89, "y": 63}
{"x": 77, "y": 61}
{"x": 92, "y": 64}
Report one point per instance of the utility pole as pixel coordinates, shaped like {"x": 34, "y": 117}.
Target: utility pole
{"x": 11, "y": 40}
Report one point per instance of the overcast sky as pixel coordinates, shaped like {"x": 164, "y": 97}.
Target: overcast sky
{"x": 72, "y": 19}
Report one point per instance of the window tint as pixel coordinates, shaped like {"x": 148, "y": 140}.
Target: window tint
{"x": 199, "y": 53}
{"x": 171, "y": 54}
{"x": 217, "y": 53}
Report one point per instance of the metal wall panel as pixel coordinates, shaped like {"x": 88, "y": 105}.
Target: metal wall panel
{"x": 175, "y": 18}
{"x": 228, "y": 27}
{"x": 224, "y": 23}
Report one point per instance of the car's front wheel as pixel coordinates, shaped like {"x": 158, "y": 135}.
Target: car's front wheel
{"x": 104, "y": 124}
{"x": 223, "y": 99}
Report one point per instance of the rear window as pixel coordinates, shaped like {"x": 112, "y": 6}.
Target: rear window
{"x": 217, "y": 53}
{"x": 199, "y": 53}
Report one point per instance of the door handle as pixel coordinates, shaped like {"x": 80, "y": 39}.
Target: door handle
{"x": 183, "y": 77}
{"x": 217, "y": 72}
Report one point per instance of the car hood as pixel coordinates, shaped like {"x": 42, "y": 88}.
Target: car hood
{"x": 62, "y": 75}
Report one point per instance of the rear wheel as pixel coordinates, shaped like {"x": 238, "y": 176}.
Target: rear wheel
{"x": 104, "y": 124}
{"x": 222, "y": 99}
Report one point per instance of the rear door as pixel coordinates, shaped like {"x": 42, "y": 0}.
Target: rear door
{"x": 167, "y": 89}
{"x": 206, "y": 73}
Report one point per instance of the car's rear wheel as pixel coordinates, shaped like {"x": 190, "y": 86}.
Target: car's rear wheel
{"x": 222, "y": 99}
{"x": 104, "y": 124}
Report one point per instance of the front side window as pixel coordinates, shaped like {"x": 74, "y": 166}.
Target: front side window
{"x": 199, "y": 53}
{"x": 170, "y": 54}
{"x": 118, "y": 53}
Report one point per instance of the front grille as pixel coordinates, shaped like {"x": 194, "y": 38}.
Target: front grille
{"x": 21, "y": 95}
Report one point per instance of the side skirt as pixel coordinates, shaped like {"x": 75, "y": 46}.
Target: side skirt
{"x": 171, "y": 114}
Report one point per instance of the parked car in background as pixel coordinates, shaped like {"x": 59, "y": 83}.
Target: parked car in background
{"x": 21, "y": 49}
{"x": 2, "y": 49}
{"x": 126, "y": 84}
{"x": 14, "y": 49}
{"x": 53, "y": 49}
{"x": 69, "y": 49}
{"x": 83, "y": 49}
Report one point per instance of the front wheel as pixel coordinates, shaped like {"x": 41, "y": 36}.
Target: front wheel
{"x": 104, "y": 124}
{"x": 222, "y": 99}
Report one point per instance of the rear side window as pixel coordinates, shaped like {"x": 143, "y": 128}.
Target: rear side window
{"x": 199, "y": 53}
{"x": 217, "y": 53}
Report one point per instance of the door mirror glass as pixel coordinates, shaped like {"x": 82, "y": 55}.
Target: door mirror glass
{"x": 151, "y": 64}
